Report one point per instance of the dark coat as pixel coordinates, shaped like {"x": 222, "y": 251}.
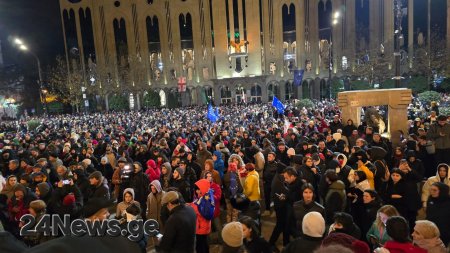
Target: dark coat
{"x": 438, "y": 210}
{"x": 301, "y": 209}
{"x": 279, "y": 189}
{"x": 179, "y": 231}
{"x": 258, "y": 245}
{"x": 304, "y": 244}
{"x": 99, "y": 191}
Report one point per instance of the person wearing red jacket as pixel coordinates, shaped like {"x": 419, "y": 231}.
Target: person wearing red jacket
{"x": 398, "y": 229}
{"x": 217, "y": 191}
{"x": 203, "y": 228}
{"x": 152, "y": 171}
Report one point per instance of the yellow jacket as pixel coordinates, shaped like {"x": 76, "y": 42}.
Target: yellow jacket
{"x": 369, "y": 175}
{"x": 251, "y": 186}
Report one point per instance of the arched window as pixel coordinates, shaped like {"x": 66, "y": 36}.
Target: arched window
{"x": 225, "y": 95}
{"x": 255, "y": 93}
{"x": 273, "y": 90}
{"x": 289, "y": 90}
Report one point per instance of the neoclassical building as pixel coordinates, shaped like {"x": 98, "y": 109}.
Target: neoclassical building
{"x": 230, "y": 50}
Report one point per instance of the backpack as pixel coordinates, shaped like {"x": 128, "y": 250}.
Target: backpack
{"x": 233, "y": 184}
{"x": 206, "y": 205}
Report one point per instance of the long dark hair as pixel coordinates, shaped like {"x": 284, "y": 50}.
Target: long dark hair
{"x": 251, "y": 224}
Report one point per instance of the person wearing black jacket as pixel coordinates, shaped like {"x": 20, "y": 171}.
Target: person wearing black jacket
{"x": 438, "y": 208}
{"x": 82, "y": 183}
{"x": 253, "y": 241}
{"x": 98, "y": 186}
{"x": 270, "y": 170}
{"x": 279, "y": 195}
{"x": 139, "y": 182}
{"x": 294, "y": 184}
{"x": 181, "y": 185}
{"x": 306, "y": 205}
{"x": 180, "y": 227}
{"x": 309, "y": 172}
{"x": 281, "y": 154}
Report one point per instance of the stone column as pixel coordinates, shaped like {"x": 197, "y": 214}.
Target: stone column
{"x": 254, "y": 37}
{"x": 300, "y": 33}
{"x": 337, "y": 35}
{"x": 374, "y": 24}
{"x": 350, "y": 32}
{"x": 314, "y": 35}
{"x": 411, "y": 32}
{"x": 448, "y": 24}
{"x": 282, "y": 89}
{"x": 80, "y": 43}
{"x": 220, "y": 39}
{"x": 388, "y": 33}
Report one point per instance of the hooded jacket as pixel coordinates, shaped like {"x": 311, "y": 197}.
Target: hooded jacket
{"x": 203, "y": 226}
{"x": 438, "y": 210}
{"x": 154, "y": 202}
{"x": 122, "y": 206}
{"x": 152, "y": 171}
{"x": 434, "y": 179}
{"x": 165, "y": 179}
{"x": 219, "y": 165}
{"x": 203, "y": 155}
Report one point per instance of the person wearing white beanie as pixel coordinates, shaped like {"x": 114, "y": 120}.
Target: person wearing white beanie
{"x": 313, "y": 226}
{"x": 233, "y": 237}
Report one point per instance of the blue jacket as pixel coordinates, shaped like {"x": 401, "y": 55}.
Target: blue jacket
{"x": 219, "y": 165}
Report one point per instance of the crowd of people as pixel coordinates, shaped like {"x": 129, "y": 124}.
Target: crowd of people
{"x": 327, "y": 183}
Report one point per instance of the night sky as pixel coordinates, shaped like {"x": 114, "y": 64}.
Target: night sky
{"x": 38, "y": 24}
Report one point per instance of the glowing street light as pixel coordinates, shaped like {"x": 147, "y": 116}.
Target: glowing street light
{"x": 18, "y": 41}
{"x": 23, "y": 47}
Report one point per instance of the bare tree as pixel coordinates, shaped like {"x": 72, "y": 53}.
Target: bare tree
{"x": 66, "y": 81}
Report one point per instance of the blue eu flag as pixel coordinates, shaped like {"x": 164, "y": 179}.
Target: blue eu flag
{"x": 298, "y": 76}
{"x": 278, "y": 105}
{"x": 211, "y": 115}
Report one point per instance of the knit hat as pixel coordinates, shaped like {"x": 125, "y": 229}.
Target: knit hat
{"x": 122, "y": 160}
{"x": 87, "y": 162}
{"x": 96, "y": 174}
{"x": 169, "y": 197}
{"x": 232, "y": 234}
{"x": 104, "y": 159}
{"x": 69, "y": 200}
{"x": 44, "y": 189}
{"x": 313, "y": 224}
{"x": 38, "y": 205}
{"x": 180, "y": 171}
{"x": 291, "y": 152}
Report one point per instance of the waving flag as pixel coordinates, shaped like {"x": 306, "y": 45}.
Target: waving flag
{"x": 211, "y": 115}
{"x": 278, "y": 105}
{"x": 298, "y": 76}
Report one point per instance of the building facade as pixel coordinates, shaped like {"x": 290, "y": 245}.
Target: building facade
{"x": 228, "y": 50}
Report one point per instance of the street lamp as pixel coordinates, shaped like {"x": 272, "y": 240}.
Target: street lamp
{"x": 335, "y": 20}
{"x": 24, "y": 48}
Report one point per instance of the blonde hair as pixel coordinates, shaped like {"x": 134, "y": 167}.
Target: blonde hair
{"x": 389, "y": 210}
{"x": 427, "y": 229}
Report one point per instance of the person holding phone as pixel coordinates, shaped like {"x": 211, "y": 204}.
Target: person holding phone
{"x": 377, "y": 236}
